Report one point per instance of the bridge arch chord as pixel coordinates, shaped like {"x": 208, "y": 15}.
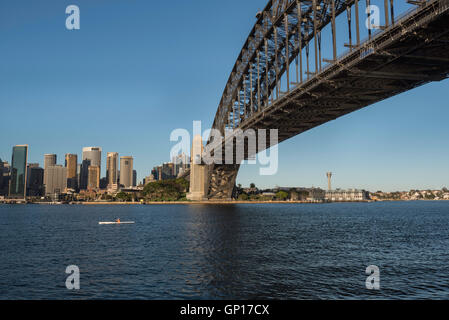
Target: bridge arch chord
{"x": 282, "y": 31}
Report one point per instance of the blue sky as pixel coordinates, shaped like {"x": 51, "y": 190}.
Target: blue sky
{"x": 138, "y": 69}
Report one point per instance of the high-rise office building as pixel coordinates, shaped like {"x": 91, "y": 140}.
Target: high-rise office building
{"x": 4, "y": 178}
{"x": 167, "y": 171}
{"x": 56, "y": 178}
{"x": 94, "y": 177}
{"x": 71, "y": 163}
{"x": 181, "y": 163}
{"x": 93, "y": 154}
{"x": 91, "y": 157}
{"x": 84, "y": 174}
{"x": 112, "y": 168}
{"x": 78, "y": 175}
{"x": 49, "y": 160}
{"x": 134, "y": 178}
{"x": 126, "y": 171}
{"x": 17, "y": 185}
{"x": 35, "y": 180}
{"x": 1, "y": 177}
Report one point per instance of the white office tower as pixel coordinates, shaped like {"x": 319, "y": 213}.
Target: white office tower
{"x": 126, "y": 171}
{"x": 112, "y": 168}
{"x": 56, "y": 177}
{"x": 93, "y": 154}
{"x": 49, "y": 160}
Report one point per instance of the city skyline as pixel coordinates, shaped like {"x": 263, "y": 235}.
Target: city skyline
{"x": 397, "y": 144}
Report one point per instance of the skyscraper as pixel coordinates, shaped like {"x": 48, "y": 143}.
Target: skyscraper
{"x": 71, "y": 163}
{"x": 35, "y": 180}
{"x": 4, "y": 178}
{"x": 126, "y": 171}
{"x": 56, "y": 177}
{"x": 93, "y": 154}
{"x": 112, "y": 168}
{"x": 91, "y": 157}
{"x": 49, "y": 160}
{"x": 2, "y": 183}
{"x": 181, "y": 163}
{"x": 134, "y": 178}
{"x": 84, "y": 174}
{"x": 17, "y": 186}
{"x": 94, "y": 177}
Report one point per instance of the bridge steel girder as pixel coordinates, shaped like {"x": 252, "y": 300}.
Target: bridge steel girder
{"x": 408, "y": 53}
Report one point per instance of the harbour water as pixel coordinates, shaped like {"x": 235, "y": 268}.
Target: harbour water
{"x": 244, "y": 251}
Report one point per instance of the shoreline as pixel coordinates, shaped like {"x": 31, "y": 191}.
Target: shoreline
{"x": 94, "y": 203}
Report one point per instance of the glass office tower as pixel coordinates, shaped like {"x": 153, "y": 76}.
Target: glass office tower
{"x": 17, "y": 186}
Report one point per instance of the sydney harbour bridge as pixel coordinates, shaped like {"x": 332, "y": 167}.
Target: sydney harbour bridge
{"x": 294, "y": 72}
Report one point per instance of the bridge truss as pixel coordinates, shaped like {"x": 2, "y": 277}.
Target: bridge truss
{"x": 405, "y": 52}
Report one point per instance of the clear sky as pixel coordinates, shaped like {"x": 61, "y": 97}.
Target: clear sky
{"x": 138, "y": 69}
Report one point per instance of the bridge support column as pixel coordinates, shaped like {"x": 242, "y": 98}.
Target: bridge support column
{"x": 222, "y": 181}
{"x": 198, "y": 175}
{"x": 198, "y": 172}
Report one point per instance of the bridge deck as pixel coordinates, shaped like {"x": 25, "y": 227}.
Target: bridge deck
{"x": 410, "y": 53}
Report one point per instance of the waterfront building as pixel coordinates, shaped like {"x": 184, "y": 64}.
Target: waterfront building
{"x": 91, "y": 157}
{"x": 112, "y": 168}
{"x": 93, "y": 177}
{"x": 84, "y": 174}
{"x": 316, "y": 194}
{"x": 94, "y": 155}
{"x": 134, "y": 178}
{"x": 103, "y": 183}
{"x": 49, "y": 160}
{"x": 126, "y": 171}
{"x": 168, "y": 171}
{"x": 181, "y": 164}
{"x": 17, "y": 185}
{"x": 113, "y": 188}
{"x": 56, "y": 178}
{"x": 78, "y": 175}
{"x": 149, "y": 179}
{"x": 71, "y": 163}
{"x": 154, "y": 174}
{"x": 35, "y": 180}
{"x": 4, "y": 178}
{"x": 347, "y": 195}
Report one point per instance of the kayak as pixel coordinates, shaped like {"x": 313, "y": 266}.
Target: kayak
{"x": 124, "y": 222}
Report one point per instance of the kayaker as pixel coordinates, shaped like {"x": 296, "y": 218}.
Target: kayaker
{"x": 117, "y": 220}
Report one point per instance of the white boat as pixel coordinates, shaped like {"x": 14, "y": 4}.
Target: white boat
{"x": 122, "y": 222}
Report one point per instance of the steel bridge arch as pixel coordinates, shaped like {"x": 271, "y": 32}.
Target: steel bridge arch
{"x": 282, "y": 31}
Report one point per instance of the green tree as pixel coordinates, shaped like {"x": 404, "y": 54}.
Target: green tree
{"x": 252, "y": 185}
{"x": 122, "y": 196}
{"x": 243, "y": 197}
{"x": 281, "y": 195}
{"x": 166, "y": 190}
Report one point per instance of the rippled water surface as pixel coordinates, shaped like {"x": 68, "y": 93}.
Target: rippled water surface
{"x": 282, "y": 251}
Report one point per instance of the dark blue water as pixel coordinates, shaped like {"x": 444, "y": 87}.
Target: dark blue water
{"x": 288, "y": 251}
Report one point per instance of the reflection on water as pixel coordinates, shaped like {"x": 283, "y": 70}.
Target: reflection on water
{"x": 285, "y": 251}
